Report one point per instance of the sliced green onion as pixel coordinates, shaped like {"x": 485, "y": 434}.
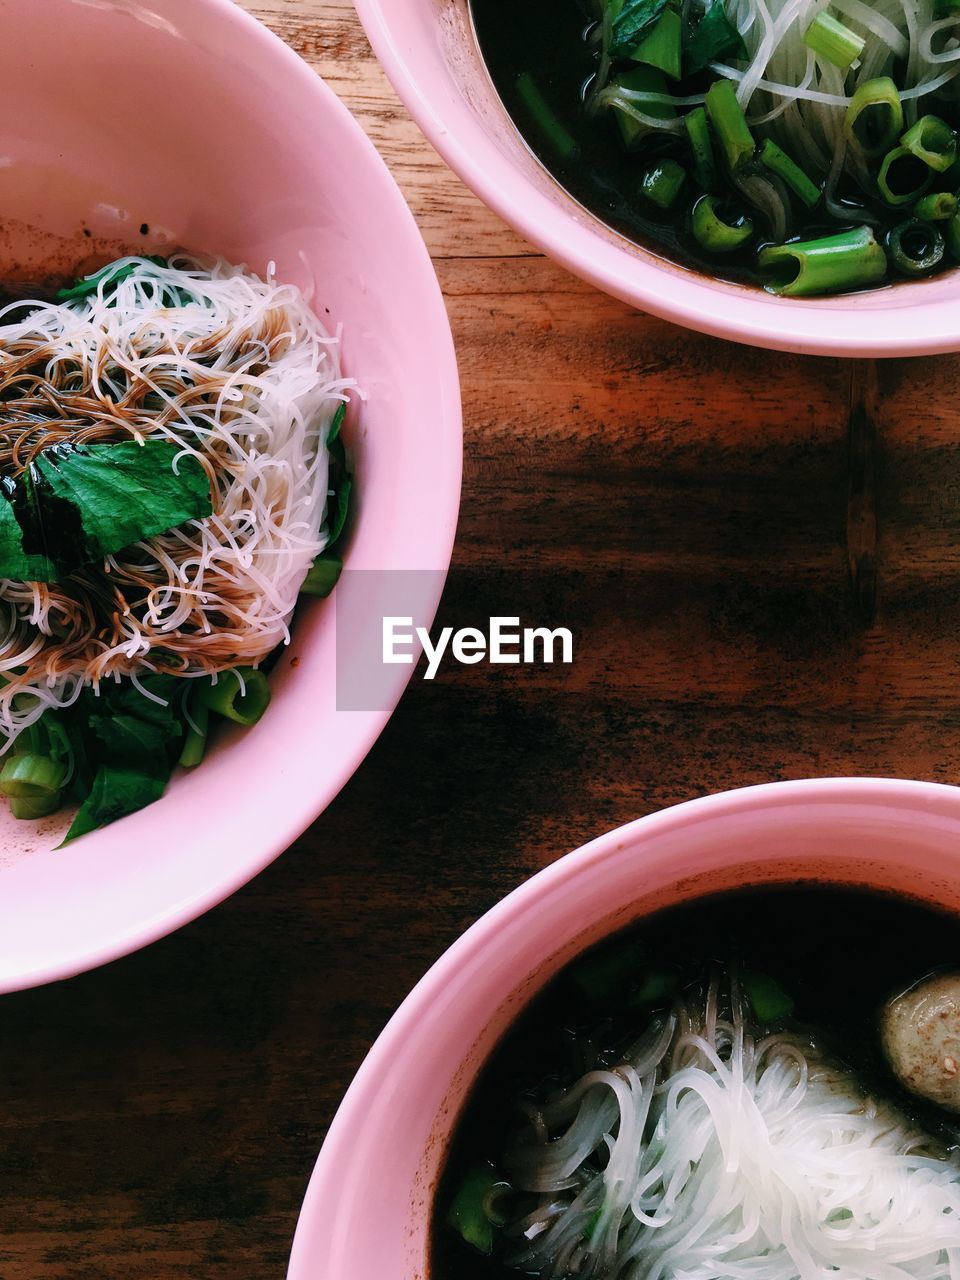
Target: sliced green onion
{"x": 195, "y": 743}
{"x": 874, "y": 119}
{"x": 716, "y": 233}
{"x": 952, "y": 234}
{"x": 662, "y": 182}
{"x": 778, "y": 162}
{"x": 323, "y": 575}
{"x": 660, "y": 48}
{"x": 544, "y": 116}
{"x": 832, "y": 264}
{"x": 31, "y": 776}
{"x": 903, "y": 177}
{"x": 729, "y": 123}
{"x": 698, "y": 131}
{"x": 932, "y": 141}
{"x": 640, "y": 80}
{"x": 936, "y": 207}
{"x": 916, "y": 248}
{"x": 944, "y": 8}
{"x": 473, "y": 1210}
{"x": 242, "y": 695}
{"x": 39, "y": 806}
{"x": 833, "y": 41}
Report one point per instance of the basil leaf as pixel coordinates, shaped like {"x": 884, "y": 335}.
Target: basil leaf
{"x": 115, "y": 793}
{"x": 78, "y": 503}
{"x": 634, "y": 18}
{"x": 714, "y": 38}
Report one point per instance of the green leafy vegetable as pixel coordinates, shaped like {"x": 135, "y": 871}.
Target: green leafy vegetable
{"x": 115, "y": 793}
{"x": 607, "y": 973}
{"x": 323, "y": 575}
{"x": 78, "y": 503}
{"x": 15, "y": 562}
{"x": 661, "y": 46}
{"x": 770, "y": 1001}
{"x": 715, "y": 38}
{"x": 325, "y": 571}
{"x": 337, "y": 423}
{"x": 108, "y": 276}
{"x": 635, "y": 17}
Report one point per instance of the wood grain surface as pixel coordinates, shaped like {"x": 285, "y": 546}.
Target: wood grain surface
{"x": 759, "y": 556}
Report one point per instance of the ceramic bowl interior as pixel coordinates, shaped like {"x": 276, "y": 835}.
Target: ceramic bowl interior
{"x": 144, "y": 126}
{"x": 368, "y": 1206}
{"x": 430, "y": 53}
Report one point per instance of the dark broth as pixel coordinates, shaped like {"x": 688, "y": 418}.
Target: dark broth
{"x": 544, "y": 39}
{"x": 839, "y": 952}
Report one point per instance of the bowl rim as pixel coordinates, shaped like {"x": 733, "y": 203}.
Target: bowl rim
{"x": 373, "y": 1075}
{"x": 660, "y": 288}
{"x": 307, "y": 806}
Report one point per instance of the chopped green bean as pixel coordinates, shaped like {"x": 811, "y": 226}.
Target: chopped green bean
{"x": 831, "y": 264}
{"x": 662, "y": 182}
{"x": 903, "y": 177}
{"x": 698, "y": 132}
{"x": 874, "y": 119}
{"x": 833, "y": 41}
{"x": 915, "y": 248}
{"x": 715, "y": 232}
{"x": 952, "y": 236}
{"x": 932, "y": 141}
{"x": 562, "y": 141}
{"x": 778, "y": 162}
{"x": 241, "y": 694}
{"x": 729, "y": 123}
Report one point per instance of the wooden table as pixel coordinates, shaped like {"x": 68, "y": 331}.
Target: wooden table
{"x": 759, "y": 558}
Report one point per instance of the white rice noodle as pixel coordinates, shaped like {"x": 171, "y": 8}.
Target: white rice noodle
{"x": 713, "y": 1152}
{"x": 243, "y": 377}
{"x": 800, "y": 99}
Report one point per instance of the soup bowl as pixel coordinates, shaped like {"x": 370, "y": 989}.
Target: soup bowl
{"x": 430, "y": 53}
{"x": 367, "y": 1209}
{"x": 201, "y": 129}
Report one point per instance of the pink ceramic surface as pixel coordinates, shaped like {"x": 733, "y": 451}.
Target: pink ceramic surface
{"x": 429, "y": 52}
{"x": 187, "y": 118}
{"x": 366, "y": 1213}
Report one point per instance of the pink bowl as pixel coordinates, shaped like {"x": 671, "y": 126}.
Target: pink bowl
{"x": 367, "y": 1208}
{"x": 191, "y": 118}
{"x": 428, "y": 50}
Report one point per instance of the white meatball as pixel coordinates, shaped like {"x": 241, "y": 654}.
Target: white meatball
{"x": 921, "y": 1038}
